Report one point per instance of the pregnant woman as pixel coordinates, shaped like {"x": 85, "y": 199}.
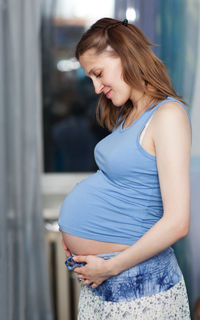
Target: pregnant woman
{"x": 122, "y": 220}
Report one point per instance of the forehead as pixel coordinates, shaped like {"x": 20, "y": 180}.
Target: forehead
{"x": 89, "y": 55}
{"x": 91, "y": 59}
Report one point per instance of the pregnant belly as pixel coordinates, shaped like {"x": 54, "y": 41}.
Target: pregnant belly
{"x": 82, "y": 246}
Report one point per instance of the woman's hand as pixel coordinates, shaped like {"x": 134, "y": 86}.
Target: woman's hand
{"x": 94, "y": 272}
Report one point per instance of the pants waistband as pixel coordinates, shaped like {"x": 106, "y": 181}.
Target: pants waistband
{"x": 157, "y": 274}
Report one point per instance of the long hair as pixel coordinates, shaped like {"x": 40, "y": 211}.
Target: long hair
{"x": 141, "y": 68}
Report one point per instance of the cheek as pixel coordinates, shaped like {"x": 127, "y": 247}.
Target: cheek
{"x": 114, "y": 78}
{"x": 124, "y": 89}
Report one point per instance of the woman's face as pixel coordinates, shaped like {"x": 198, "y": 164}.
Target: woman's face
{"x": 105, "y": 70}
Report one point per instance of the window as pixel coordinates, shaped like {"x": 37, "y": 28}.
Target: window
{"x": 70, "y": 129}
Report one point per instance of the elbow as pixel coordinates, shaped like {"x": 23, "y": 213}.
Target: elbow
{"x": 182, "y": 230}
{"x": 184, "y": 233}
{"x": 179, "y": 227}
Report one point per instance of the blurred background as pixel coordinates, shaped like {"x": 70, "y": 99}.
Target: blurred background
{"x": 48, "y": 132}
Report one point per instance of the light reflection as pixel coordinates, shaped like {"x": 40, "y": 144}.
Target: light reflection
{"x": 66, "y": 65}
{"x": 131, "y": 14}
{"x": 87, "y": 9}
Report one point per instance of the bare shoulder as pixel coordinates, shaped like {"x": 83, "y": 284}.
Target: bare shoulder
{"x": 170, "y": 117}
{"x": 171, "y": 109}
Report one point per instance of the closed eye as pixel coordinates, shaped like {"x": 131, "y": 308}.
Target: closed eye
{"x": 99, "y": 75}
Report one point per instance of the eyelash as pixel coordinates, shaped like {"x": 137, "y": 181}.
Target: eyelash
{"x": 99, "y": 75}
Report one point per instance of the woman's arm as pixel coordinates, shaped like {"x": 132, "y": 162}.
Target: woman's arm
{"x": 172, "y": 139}
{"x": 171, "y": 135}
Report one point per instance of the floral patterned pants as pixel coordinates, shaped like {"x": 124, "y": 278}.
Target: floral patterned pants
{"x": 152, "y": 290}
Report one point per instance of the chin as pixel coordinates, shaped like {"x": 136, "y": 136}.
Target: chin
{"x": 119, "y": 103}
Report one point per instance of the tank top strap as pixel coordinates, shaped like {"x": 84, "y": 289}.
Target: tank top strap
{"x": 150, "y": 112}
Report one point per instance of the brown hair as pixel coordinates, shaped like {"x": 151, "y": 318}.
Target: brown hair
{"x": 141, "y": 68}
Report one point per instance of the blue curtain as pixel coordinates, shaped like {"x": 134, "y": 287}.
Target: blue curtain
{"x": 24, "y": 293}
{"x": 172, "y": 38}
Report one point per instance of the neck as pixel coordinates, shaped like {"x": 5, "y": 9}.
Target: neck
{"x": 142, "y": 104}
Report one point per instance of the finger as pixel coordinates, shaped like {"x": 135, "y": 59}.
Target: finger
{"x": 94, "y": 285}
{"x": 80, "y": 277}
{"x": 80, "y": 270}
{"x": 68, "y": 252}
{"x": 86, "y": 282}
{"x": 80, "y": 258}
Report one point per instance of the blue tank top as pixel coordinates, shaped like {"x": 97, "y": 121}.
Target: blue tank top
{"x": 122, "y": 200}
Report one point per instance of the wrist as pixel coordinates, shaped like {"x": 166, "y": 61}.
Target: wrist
{"x": 112, "y": 267}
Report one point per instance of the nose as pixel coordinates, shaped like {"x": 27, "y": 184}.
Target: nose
{"x": 98, "y": 86}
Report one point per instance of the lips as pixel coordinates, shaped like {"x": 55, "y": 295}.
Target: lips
{"x": 108, "y": 93}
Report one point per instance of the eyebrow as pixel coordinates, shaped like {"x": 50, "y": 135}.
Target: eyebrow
{"x": 92, "y": 70}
